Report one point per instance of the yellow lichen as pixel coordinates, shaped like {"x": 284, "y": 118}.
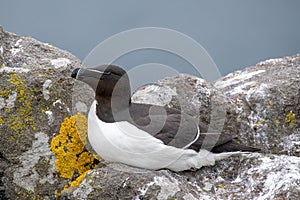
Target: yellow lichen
{"x": 222, "y": 186}
{"x": 79, "y": 179}
{"x": 261, "y": 122}
{"x": 21, "y": 118}
{"x": 290, "y": 118}
{"x": 71, "y": 157}
{"x": 252, "y": 85}
{"x": 81, "y": 125}
{"x": 270, "y": 104}
{"x": 21, "y": 92}
{"x": 74, "y": 183}
{"x": 277, "y": 122}
{"x": 258, "y": 124}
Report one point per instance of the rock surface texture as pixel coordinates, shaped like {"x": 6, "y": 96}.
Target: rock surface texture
{"x": 42, "y": 154}
{"x": 268, "y": 100}
{"x": 35, "y": 97}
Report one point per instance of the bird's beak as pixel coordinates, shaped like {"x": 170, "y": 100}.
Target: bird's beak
{"x": 82, "y": 73}
{"x": 88, "y": 76}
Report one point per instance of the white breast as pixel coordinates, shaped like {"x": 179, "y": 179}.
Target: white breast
{"x": 125, "y": 143}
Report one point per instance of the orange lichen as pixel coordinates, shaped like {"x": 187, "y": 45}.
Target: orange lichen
{"x": 68, "y": 147}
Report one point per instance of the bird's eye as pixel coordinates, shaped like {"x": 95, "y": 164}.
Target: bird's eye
{"x": 113, "y": 73}
{"x": 107, "y": 73}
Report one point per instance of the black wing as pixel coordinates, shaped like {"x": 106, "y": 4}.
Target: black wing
{"x": 171, "y": 126}
{"x": 180, "y": 130}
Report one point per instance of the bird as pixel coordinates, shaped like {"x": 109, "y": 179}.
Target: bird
{"x": 147, "y": 136}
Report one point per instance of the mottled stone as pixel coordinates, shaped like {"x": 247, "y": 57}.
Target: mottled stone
{"x": 35, "y": 97}
{"x": 268, "y": 100}
{"x": 249, "y": 176}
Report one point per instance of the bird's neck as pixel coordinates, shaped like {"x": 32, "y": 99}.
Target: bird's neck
{"x": 110, "y": 109}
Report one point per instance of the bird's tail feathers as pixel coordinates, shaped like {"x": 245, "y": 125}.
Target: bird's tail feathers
{"x": 221, "y": 156}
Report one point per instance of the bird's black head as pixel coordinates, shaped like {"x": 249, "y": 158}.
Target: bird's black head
{"x": 96, "y": 76}
{"x": 110, "y": 83}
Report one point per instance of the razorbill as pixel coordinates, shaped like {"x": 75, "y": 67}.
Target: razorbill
{"x": 147, "y": 136}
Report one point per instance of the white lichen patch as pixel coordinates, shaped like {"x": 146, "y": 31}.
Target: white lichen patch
{"x": 154, "y": 94}
{"x": 61, "y": 105}
{"x": 200, "y": 87}
{"x": 10, "y": 102}
{"x": 189, "y": 196}
{"x": 274, "y": 175}
{"x": 1, "y": 50}
{"x": 204, "y": 192}
{"x": 49, "y": 116}
{"x": 257, "y": 121}
{"x": 46, "y": 86}
{"x": 58, "y": 101}
{"x": 235, "y": 79}
{"x": 168, "y": 188}
{"x": 241, "y": 89}
{"x": 282, "y": 173}
{"x": 16, "y": 48}
{"x": 13, "y": 70}
{"x": 60, "y": 62}
{"x": 81, "y": 107}
{"x": 271, "y": 61}
{"x": 221, "y": 191}
{"x": 291, "y": 143}
{"x": 207, "y": 186}
{"x": 195, "y": 185}
{"x": 259, "y": 92}
{"x": 145, "y": 188}
{"x": 47, "y": 44}
{"x": 258, "y": 115}
{"x": 2, "y": 103}
{"x": 26, "y": 175}
{"x": 200, "y": 92}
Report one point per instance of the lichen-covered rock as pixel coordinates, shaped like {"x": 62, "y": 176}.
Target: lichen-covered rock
{"x": 44, "y": 153}
{"x": 117, "y": 181}
{"x": 268, "y": 100}
{"x": 250, "y": 176}
{"x": 35, "y": 98}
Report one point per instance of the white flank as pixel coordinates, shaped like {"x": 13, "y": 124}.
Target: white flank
{"x": 125, "y": 143}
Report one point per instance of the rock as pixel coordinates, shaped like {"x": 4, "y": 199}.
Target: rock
{"x": 44, "y": 153}
{"x": 252, "y": 176}
{"x": 117, "y": 181}
{"x": 268, "y": 100}
{"x": 35, "y": 97}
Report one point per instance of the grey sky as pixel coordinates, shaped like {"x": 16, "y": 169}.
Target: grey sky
{"x": 235, "y": 33}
